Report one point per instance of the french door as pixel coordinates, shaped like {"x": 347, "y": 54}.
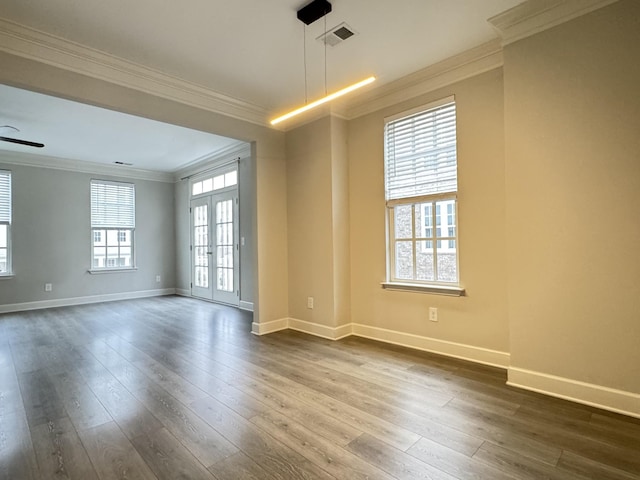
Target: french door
{"x": 214, "y": 247}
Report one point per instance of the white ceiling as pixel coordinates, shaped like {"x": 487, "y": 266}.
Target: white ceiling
{"x": 253, "y": 49}
{"x": 76, "y": 131}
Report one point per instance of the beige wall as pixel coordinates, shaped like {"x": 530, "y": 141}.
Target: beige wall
{"x": 310, "y": 221}
{"x": 572, "y": 115}
{"x": 341, "y": 222}
{"x": 272, "y": 277}
{"x": 480, "y": 318}
{"x": 318, "y": 222}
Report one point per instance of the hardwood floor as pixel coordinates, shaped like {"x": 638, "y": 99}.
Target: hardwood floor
{"x": 174, "y": 388}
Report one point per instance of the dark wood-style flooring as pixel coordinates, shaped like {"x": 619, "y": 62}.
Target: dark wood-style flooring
{"x": 174, "y": 388}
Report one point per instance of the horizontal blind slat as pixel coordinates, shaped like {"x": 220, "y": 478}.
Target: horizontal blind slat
{"x": 420, "y": 153}
{"x": 112, "y": 204}
{"x": 5, "y": 196}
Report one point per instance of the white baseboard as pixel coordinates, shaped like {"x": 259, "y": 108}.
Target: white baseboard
{"x": 618, "y": 401}
{"x": 442, "y": 347}
{"x": 269, "y": 327}
{"x": 183, "y": 292}
{"x": 598, "y": 396}
{"x": 67, "y": 302}
{"x": 319, "y": 330}
{"x": 246, "y": 306}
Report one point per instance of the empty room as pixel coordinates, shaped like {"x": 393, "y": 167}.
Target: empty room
{"x": 320, "y": 239}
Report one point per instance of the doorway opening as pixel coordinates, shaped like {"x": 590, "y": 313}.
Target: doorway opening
{"x": 215, "y": 246}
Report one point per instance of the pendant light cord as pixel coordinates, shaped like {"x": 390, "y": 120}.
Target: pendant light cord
{"x": 325, "y": 55}
{"x": 304, "y": 33}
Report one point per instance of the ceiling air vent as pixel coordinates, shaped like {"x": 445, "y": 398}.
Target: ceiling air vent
{"x": 337, "y": 35}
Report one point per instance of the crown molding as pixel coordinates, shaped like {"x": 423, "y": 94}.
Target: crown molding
{"x": 35, "y": 45}
{"x": 8, "y": 157}
{"x": 535, "y": 16}
{"x": 475, "y": 61}
{"x": 237, "y": 151}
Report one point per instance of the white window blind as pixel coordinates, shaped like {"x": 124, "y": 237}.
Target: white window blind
{"x": 112, "y": 204}
{"x": 420, "y": 153}
{"x": 5, "y": 196}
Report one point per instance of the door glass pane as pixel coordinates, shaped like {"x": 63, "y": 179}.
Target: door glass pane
{"x": 201, "y": 246}
{"x": 201, "y": 236}
{"x": 225, "y": 279}
{"x": 200, "y": 215}
{"x": 225, "y": 246}
{"x": 202, "y": 277}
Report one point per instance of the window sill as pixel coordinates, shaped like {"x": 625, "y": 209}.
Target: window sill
{"x": 449, "y": 290}
{"x": 112, "y": 270}
{"x": 7, "y": 276}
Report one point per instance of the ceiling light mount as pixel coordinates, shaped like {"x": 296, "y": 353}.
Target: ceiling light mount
{"x": 308, "y": 14}
{"x": 314, "y": 11}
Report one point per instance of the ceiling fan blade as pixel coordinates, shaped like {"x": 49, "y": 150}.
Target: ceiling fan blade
{"x": 22, "y": 142}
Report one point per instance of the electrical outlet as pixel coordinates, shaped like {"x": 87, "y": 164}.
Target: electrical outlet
{"x": 433, "y": 314}
{"x": 48, "y": 287}
{"x": 310, "y": 302}
{"x": 157, "y": 278}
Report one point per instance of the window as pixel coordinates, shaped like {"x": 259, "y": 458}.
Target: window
{"x": 112, "y": 225}
{"x": 421, "y": 183}
{"x": 218, "y": 182}
{"x": 5, "y": 222}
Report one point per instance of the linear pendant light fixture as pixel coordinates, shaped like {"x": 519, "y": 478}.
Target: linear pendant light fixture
{"x": 309, "y": 14}
{"x": 322, "y": 100}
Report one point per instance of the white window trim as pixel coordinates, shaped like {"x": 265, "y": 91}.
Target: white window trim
{"x": 9, "y": 273}
{"x": 93, "y": 269}
{"x": 100, "y": 271}
{"x": 132, "y": 230}
{"x": 214, "y": 172}
{"x": 428, "y": 286}
{"x": 438, "y": 288}
{"x": 421, "y": 108}
{"x": 448, "y": 290}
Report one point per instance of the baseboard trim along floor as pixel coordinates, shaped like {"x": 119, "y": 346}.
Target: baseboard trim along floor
{"x": 617, "y": 401}
{"x": 68, "y": 302}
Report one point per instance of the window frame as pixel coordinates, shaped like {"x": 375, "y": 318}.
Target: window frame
{"x": 211, "y": 175}
{"x": 437, "y": 241}
{"x": 9, "y": 268}
{"x": 103, "y": 235}
{"x": 414, "y": 284}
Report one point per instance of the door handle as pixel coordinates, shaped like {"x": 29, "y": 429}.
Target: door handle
{"x": 209, "y": 253}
